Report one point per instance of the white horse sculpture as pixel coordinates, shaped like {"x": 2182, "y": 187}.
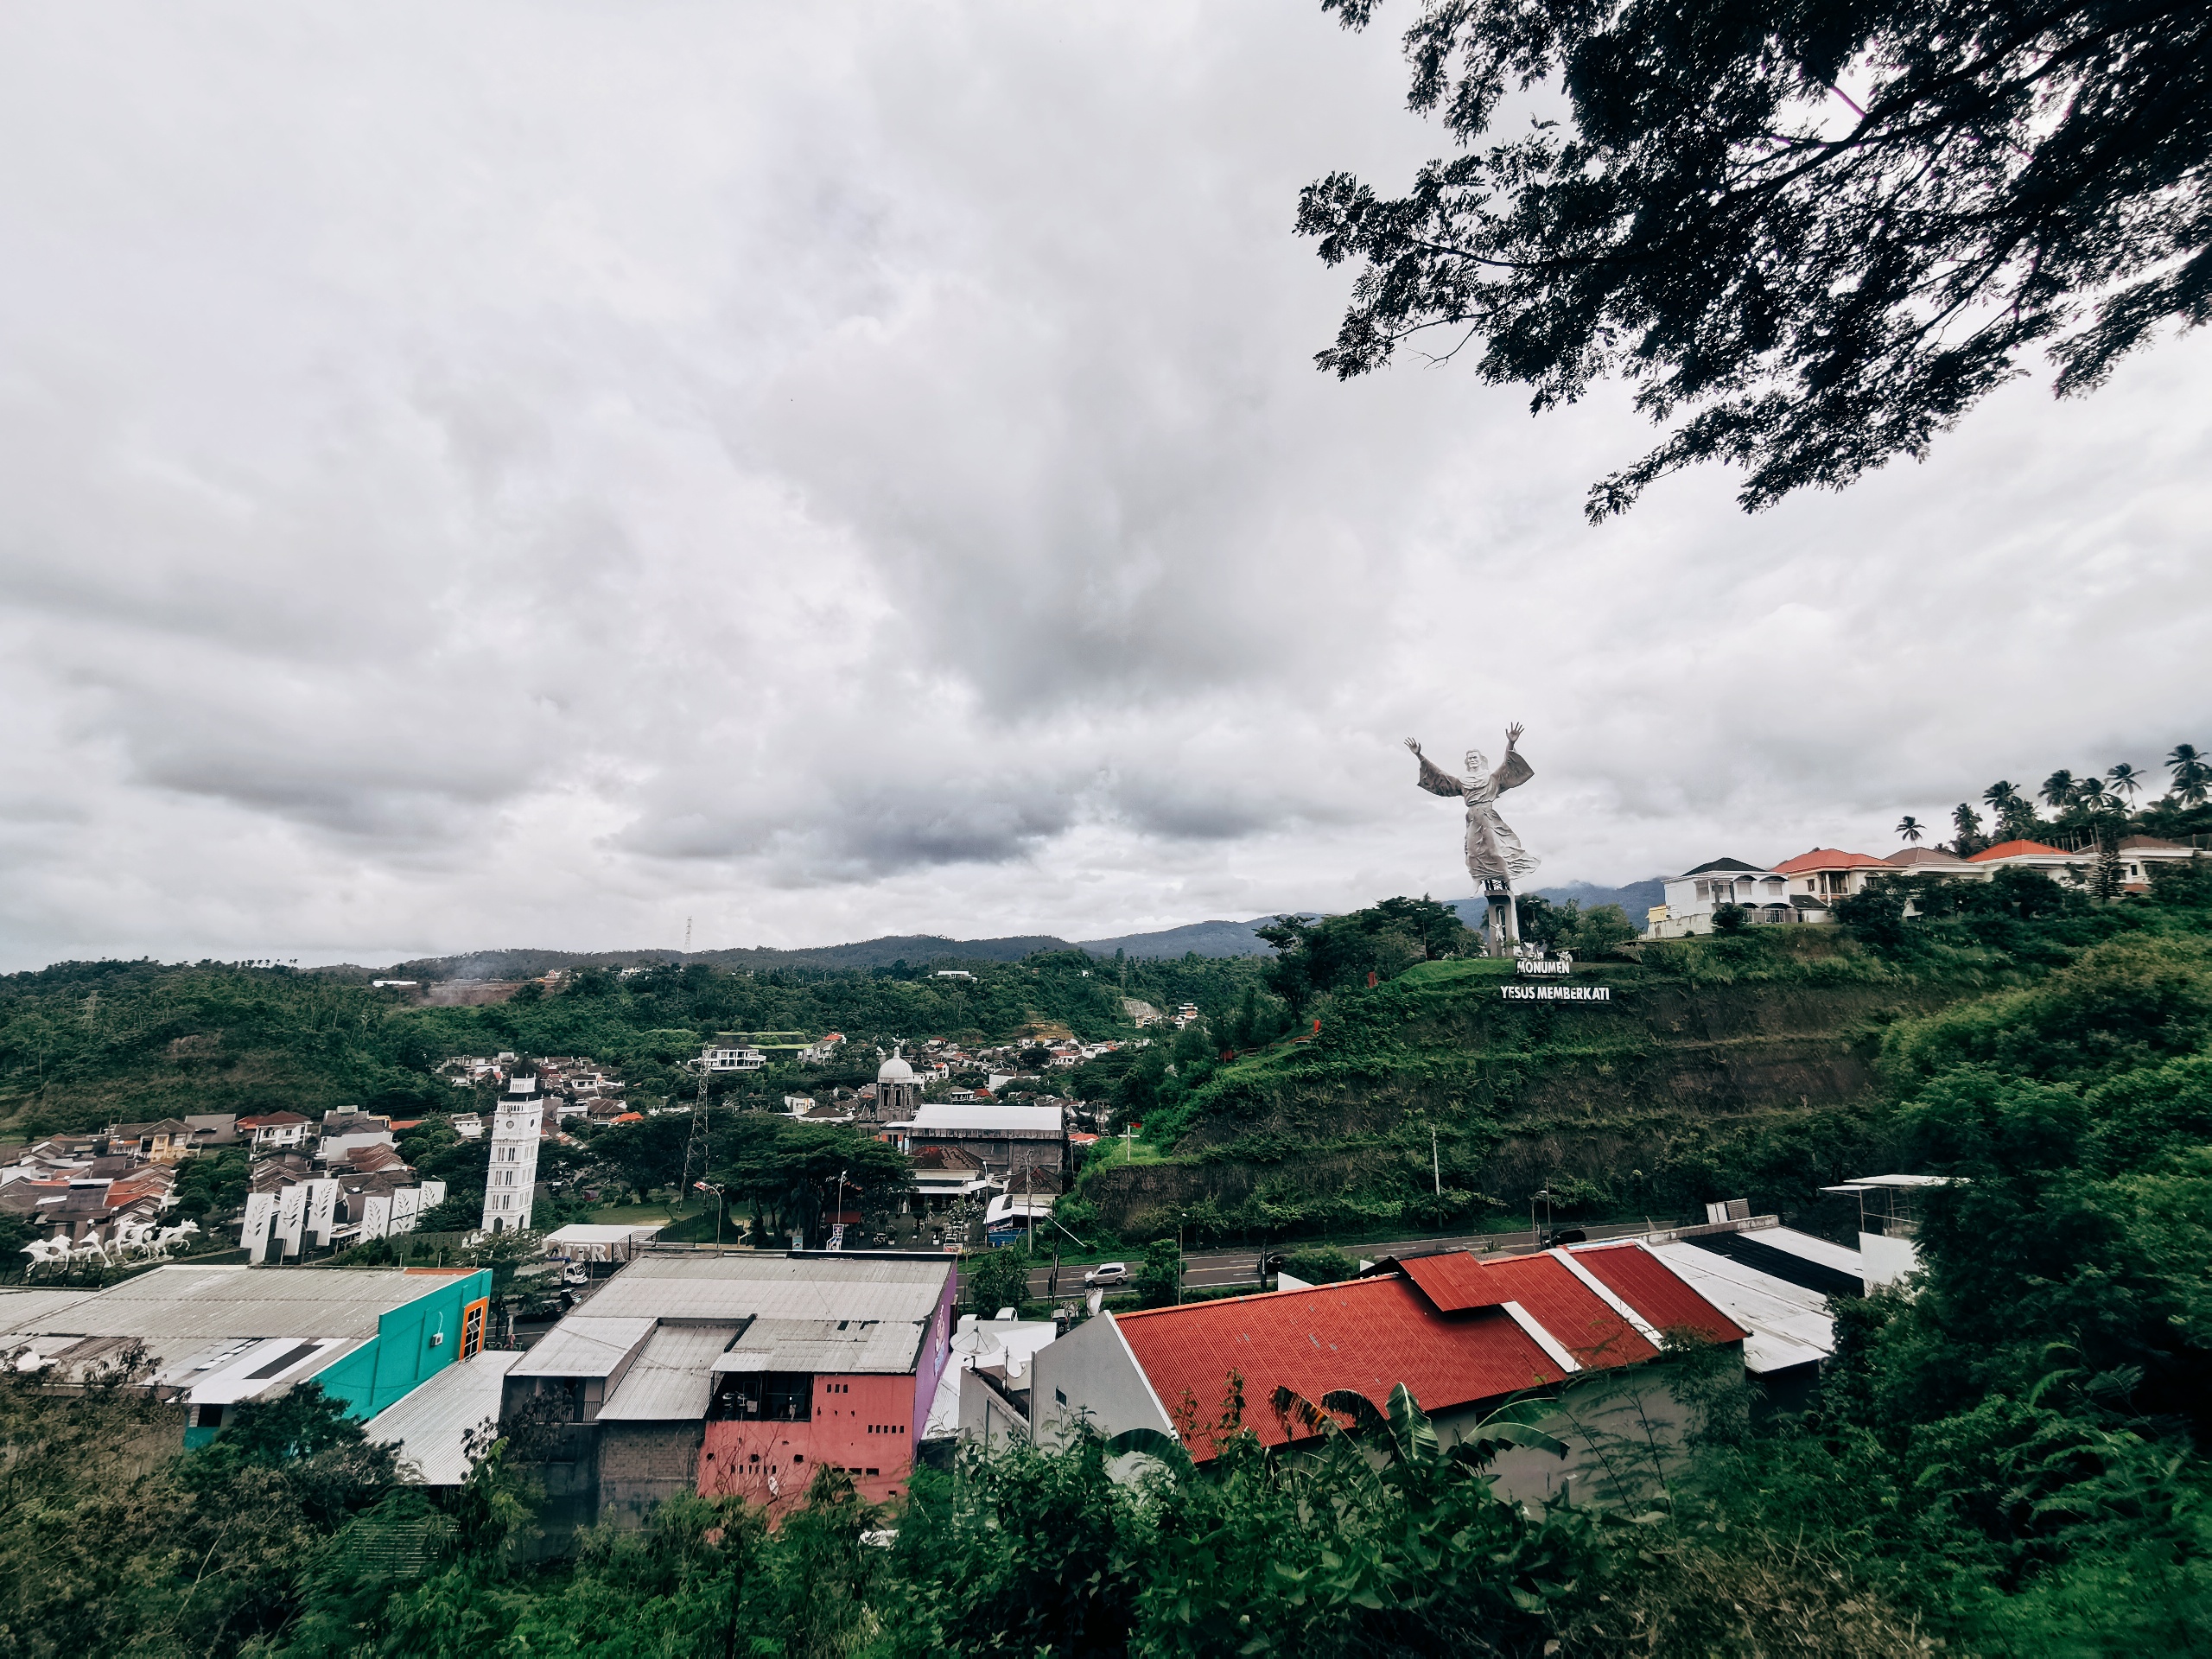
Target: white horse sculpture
{"x": 47, "y": 1252}
{"x": 170, "y": 1237}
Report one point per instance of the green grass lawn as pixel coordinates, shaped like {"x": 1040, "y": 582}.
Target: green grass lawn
{"x": 1135, "y": 1152}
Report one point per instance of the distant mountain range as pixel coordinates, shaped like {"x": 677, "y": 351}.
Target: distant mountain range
{"x": 1216, "y": 938}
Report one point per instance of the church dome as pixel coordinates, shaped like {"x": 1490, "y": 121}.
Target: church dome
{"x": 894, "y": 1069}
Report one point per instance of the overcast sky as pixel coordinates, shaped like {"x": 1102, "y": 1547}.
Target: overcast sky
{"x": 501, "y": 474}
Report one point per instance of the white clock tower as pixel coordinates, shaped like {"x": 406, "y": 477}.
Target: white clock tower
{"x": 513, "y": 1173}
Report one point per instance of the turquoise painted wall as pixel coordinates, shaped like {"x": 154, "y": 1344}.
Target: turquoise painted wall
{"x": 400, "y": 1357}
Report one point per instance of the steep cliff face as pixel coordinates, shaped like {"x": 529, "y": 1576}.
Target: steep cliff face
{"x": 1696, "y": 1071}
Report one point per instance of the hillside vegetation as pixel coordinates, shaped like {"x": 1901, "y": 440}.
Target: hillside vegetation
{"x": 1743, "y": 1065}
{"x": 87, "y": 1043}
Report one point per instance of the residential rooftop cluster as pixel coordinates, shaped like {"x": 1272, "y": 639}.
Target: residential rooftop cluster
{"x": 1808, "y": 888}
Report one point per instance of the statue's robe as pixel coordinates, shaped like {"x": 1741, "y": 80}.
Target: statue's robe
{"x": 1496, "y": 857}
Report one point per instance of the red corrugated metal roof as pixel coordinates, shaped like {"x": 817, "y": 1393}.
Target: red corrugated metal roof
{"x": 1655, "y": 1291}
{"x": 1455, "y": 1281}
{"x": 1826, "y": 858}
{"x": 1577, "y": 1316}
{"x": 2018, "y": 849}
{"x": 1369, "y": 1335}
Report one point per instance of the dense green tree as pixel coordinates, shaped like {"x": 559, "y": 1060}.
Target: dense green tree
{"x": 997, "y": 1279}
{"x": 1811, "y": 236}
{"x": 212, "y": 1185}
{"x": 1340, "y": 952}
{"x": 797, "y": 1172}
{"x": 1159, "y": 1281}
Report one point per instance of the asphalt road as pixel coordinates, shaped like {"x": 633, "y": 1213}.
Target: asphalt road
{"x": 1218, "y": 1270}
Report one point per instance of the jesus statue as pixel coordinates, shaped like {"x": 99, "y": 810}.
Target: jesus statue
{"x": 1496, "y": 858}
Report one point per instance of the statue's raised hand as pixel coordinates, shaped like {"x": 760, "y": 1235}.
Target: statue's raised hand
{"x": 1513, "y": 734}
{"x": 1414, "y": 743}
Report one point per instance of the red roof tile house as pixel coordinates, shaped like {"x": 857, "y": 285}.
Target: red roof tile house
{"x": 2135, "y": 854}
{"x": 1828, "y": 874}
{"x": 1463, "y": 1333}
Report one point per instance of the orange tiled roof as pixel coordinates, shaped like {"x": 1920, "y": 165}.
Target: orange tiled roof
{"x": 2016, "y": 849}
{"x": 1828, "y": 858}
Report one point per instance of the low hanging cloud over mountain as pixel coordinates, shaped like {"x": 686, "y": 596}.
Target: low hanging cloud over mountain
{"x": 536, "y": 474}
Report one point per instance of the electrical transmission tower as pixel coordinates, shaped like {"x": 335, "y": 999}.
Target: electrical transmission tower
{"x": 696, "y": 1149}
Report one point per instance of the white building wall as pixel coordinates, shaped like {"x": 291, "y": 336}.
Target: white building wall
{"x": 1091, "y": 1374}
{"x": 511, "y": 1175}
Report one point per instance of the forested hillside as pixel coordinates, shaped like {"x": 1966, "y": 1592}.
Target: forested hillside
{"x": 84, "y": 1044}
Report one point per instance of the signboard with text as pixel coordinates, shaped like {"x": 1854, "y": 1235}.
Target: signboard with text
{"x": 1556, "y": 993}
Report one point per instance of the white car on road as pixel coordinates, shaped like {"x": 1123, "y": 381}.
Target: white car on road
{"x": 1107, "y": 1273}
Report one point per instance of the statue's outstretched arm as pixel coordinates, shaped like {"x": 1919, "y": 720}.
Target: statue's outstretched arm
{"x": 1514, "y": 772}
{"x": 1433, "y": 778}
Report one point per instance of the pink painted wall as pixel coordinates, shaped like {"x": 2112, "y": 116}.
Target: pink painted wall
{"x": 864, "y": 1424}
{"x": 861, "y": 1423}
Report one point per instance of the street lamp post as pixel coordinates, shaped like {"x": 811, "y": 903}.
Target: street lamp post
{"x": 721, "y": 1204}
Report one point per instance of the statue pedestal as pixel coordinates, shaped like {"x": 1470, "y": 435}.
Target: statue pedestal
{"x": 1500, "y": 920}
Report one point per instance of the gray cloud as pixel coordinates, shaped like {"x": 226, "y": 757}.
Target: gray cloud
{"x": 532, "y": 474}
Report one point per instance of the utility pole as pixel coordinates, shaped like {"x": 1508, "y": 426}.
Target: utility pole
{"x": 1435, "y": 1168}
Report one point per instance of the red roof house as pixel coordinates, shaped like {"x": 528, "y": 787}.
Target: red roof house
{"x": 1459, "y": 1331}
{"x": 1827, "y": 873}
{"x": 2005, "y": 849}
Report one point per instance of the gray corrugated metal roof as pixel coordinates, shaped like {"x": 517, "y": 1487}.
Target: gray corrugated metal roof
{"x": 673, "y": 1377}
{"x": 1788, "y": 1324}
{"x": 826, "y": 1345}
{"x": 732, "y": 1287}
{"x": 432, "y": 1424}
{"x": 959, "y": 1114}
{"x": 181, "y": 1304}
{"x": 584, "y": 1344}
{"x": 28, "y": 1310}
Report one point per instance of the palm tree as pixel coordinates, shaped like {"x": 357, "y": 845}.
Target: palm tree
{"x": 1966, "y": 825}
{"x": 2192, "y": 776}
{"x": 1909, "y": 827}
{"x": 2089, "y": 795}
{"x": 2058, "y": 790}
{"x": 2014, "y": 814}
{"x": 2126, "y": 781}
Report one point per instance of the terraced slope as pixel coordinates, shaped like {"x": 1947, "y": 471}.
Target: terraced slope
{"x": 1743, "y": 1065}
